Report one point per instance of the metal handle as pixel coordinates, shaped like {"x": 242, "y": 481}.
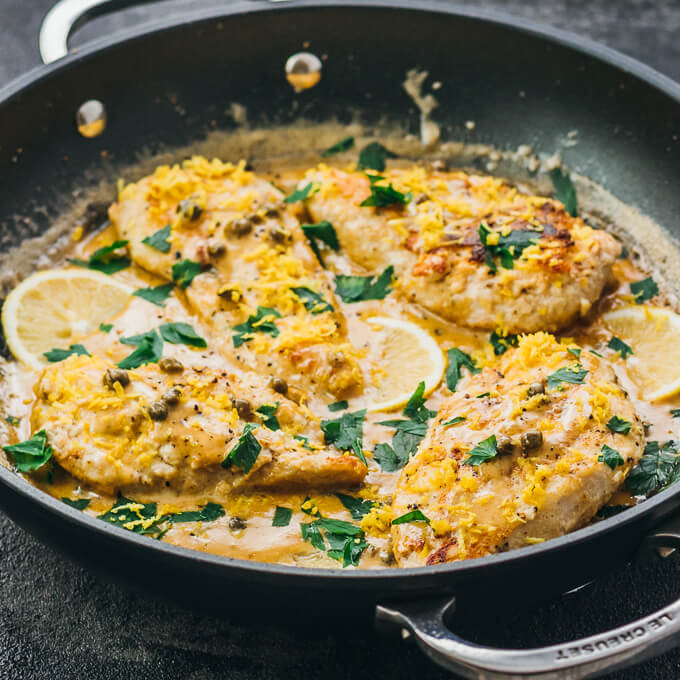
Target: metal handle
{"x": 423, "y": 621}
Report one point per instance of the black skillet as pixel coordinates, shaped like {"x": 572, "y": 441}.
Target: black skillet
{"x": 522, "y": 84}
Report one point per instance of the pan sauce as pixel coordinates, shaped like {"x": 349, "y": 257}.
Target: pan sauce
{"x": 255, "y": 538}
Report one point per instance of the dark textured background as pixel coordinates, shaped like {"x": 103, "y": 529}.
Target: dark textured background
{"x": 59, "y": 622}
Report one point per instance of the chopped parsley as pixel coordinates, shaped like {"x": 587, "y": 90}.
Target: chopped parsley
{"x": 343, "y": 145}
{"x": 454, "y": 421}
{"x": 179, "y": 333}
{"x": 142, "y": 518}
{"x": 360, "y": 288}
{"x": 245, "y": 451}
{"x": 184, "y": 272}
{"x": 60, "y": 354}
{"x": 268, "y": 413}
{"x": 358, "y": 507}
{"x": 564, "y": 191}
{"x": 313, "y": 302}
{"x": 345, "y": 540}
{"x": 302, "y": 194}
{"x": 457, "y": 361}
{"x": 338, "y": 406}
{"x": 156, "y": 295}
{"x": 346, "y": 433}
{"x": 208, "y": 513}
{"x": 620, "y": 346}
{"x": 485, "y": 450}
{"x": 105, "y": 259}
{"x": 13, "y": 420}
{"x": 149, "y": 349}
{"x": 282, "y": 517}
{"x": 321, "y": 231}
{"x": 415, "y": 408}
{"x": 77, "y": 503}
{"x": 373, "y": 157}
{"x": 159, "y": 240}
{"x": 610, "y": 457}
{"x": 574, "y": 351}
{"x": 260, "y": 322}
{"x": 623, "y": 255}
{"x": 105, "y": 327}
{"x": 482, "y": 395}
{"x": 31, "y": 454}
{"x": 502, "y": 343}
{"x": 412, "y": 516}
{"x": 675, "y": 412}
{"x": 619, "y": 425}
{"x": 658, "y": 467}
{"x": 506, "y": 248}
{"x": 383, "y": 196}
{"x": 304, "y": 441}
{"x": 644, "y": 290}
{"x": 574, "y": 375}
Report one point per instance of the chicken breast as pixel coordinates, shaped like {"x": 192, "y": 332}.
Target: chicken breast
{"x": 467, "y": 247}
{"x": 565, "y": 437}
{"x": 259, "y": 270}
{"x": 148, "y": 429}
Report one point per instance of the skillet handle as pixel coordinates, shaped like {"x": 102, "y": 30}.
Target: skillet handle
{"x": 423, "y": 621}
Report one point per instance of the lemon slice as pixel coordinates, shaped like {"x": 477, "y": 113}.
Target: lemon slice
{"x": 56, "y": 307}
{"x": 406, "y": 355}
{"x": 653, "y": 334}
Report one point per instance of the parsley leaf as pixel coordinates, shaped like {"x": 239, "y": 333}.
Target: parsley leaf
{"x": 338, "y": 406}
{"x": 270, "y": 421}
{"x": 412, "y": 516}
{"x": 156, "y": 295}
{"x": 373, "y": 156}
{"x": 311, "y": 532}
{"x": 620, "y": 346}
{"x": 159, "y": 240}
{"x": 564, "y": 191}
{"x": 60, "y": 354}
{"x": 77, "y": 503}
{"x": 343, "y": 145}
{"x": 106, "y": 327}
{"x": 149, "y": 350}
{"x": 610, "y": 457}
{"x": 383, "y": 196}
{"x": 415, "y": 408}
{"x": 454, "y": 421}
{"x": 208, "y": 513}
{"x": 485, "y": 450}
{"x": 574, "y": 375}
{"x": 507, "y": 248}
{"x": 574, "y": 351}
{"x": 675, "y": 412}
{"x": 260, "y": 322}
{"x": 104, "y": 259}
{"x": 358, "y": 507}
{"x": 313, "y": 302}
{"x": 141, "y": 518}
{"x": 657, "y": 468}
{"x": 345, "y": 541}
{"x": 245, "y": 451}
{"x": 457, "y": 361}
{"x": 302, "y": 194}
{"x": 304, "y": 441}
{"x": 619, "y": 425}
{"x": 346, "y": 433}
{"x": 360, "y": 288}
{"x": 184, "y": 272}
{"x": 388, "y": 459}
{"x": 13, "y": 420}
{"x": 31, "y": 454}
{"x": 501, "y": 343}
{"x": 282, "y": 517}
{"x": 644, "y": 290}
{"x": 179, "y": 333}
{"x": 324, "y": 232}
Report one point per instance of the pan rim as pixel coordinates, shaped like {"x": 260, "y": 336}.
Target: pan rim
{"x": 386, "y": 576}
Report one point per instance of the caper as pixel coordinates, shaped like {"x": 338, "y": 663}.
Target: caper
{"x": 189, "y": 209}
{"x": 278, "y": 385}
{"x": 241, "y": 227}
{"x": 158, "y": 410}
{"x": 504, "y": 444}
{"x": 271, "y": 210}
{"x": 229, "y": 293}
{"x": 237, "y": 524}
{"x": 116, "y": 375}
{"x": 171, "y": 396}
{"x": 536, "y": 388}
{"x": 531, "y": 440}
{"x": 279, "y": 235}
{"x": 170, "y": 365}
{"x": 243, "y": 408}
{"x": 216, "y": 248}
{"x": 256, "y": 219}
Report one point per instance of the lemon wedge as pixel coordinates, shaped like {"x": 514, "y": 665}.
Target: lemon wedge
{"x": 407, "y": 355}
{"x": 52, "y": 309}
{"x": 652, "y": 333}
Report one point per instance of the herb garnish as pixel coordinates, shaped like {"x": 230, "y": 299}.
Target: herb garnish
{"x": 179, "y": 333}
{"x": 610, "y": 457}
{"x": 383, "y": 196}
{"x": 282, "y": 517}
{"x": 574, "y": 351}
{"x": 412, "y": 516}
{"x": 502, "y": 343}
{"x": 415, "y": 408}
{"x": 619, "y": 425}
{"x": 644, "y": 290}
{"x": 304, "y": 441}
{"x": 373, "y": 156}
{"x": 454, "y": 421}
{"x": 106, "y": 327}
{"x": 658, "y": 467}
{"x": 133, "y": 516}
{"x": 322, "y": 231}
{"x": 345, "y": 541}
{"x": 31, "y": 454}
{"x": 60, "y": 354}
{"x": 245, "y": 451}
{"x": 149, "y": 349}
{"x": 269, "y": 420}
{"x": 156, "y": 295}
{"x": 208, "y": 513}
{"x": 346, "y": 433}
{"x": 358, "y": 507}
{"x": 360, "y": 288}
{"x": 675, "y": 412}
{"x": 573, "y": 375}
{"x": 184, "y": 272}
{"x": 564, "y": 191}
{"x": 457, "y": 361}
{"x": 302, "y": 194}
{"x": 77, "y": 503}
{"x": 313, "y": 302}
{"x": 159, "y": 240}
{"x": 260, "y": 322}
{"x": 506, "y": 248}
{"x": 620, "y": 346}
{"x": 105, "y": 260}
{"x": 338, "y": 406}
{"x": 13, "y": 420}
{"x": 485, "y": 450}
{"x": 343, "y": 145}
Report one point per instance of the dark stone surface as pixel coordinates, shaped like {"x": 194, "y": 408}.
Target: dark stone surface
{"x": 60, "y": 622}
